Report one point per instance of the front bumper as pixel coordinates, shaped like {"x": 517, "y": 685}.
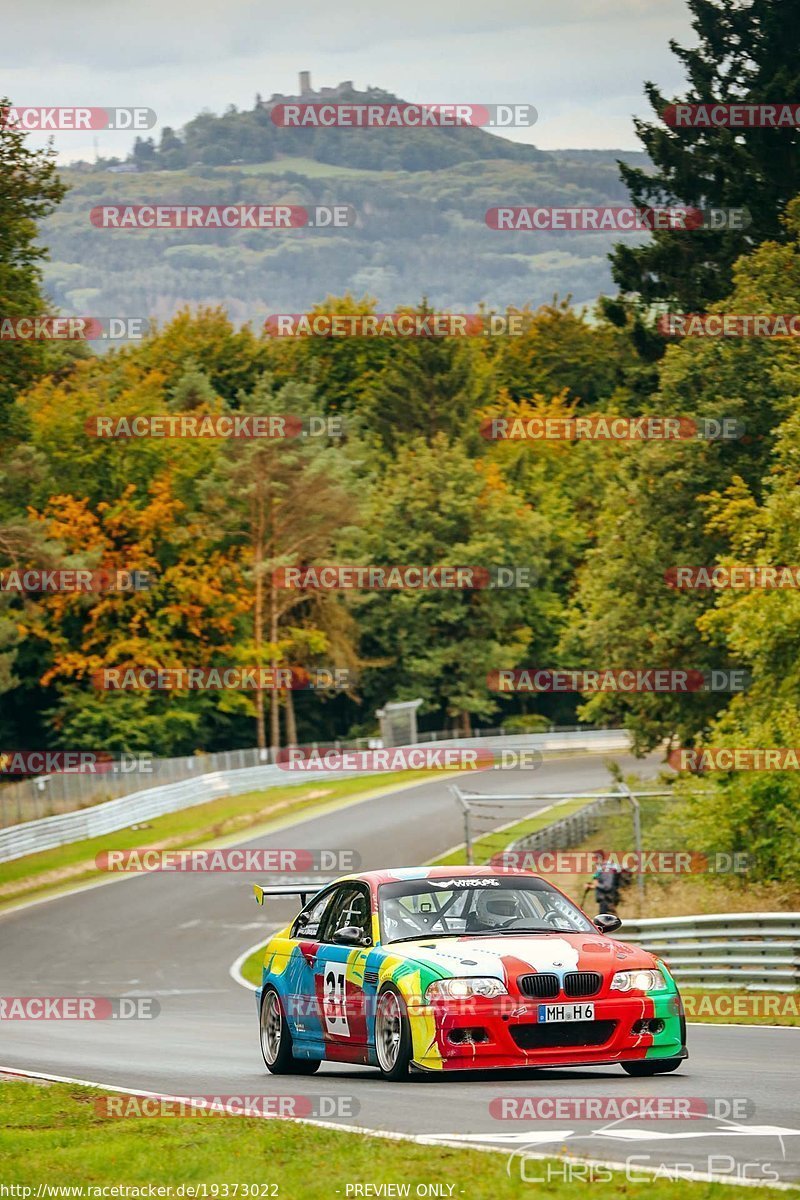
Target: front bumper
{"x": 489, "y": 1034}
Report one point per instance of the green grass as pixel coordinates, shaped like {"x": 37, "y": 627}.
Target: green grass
{"x": 53, "y": 1135}
{"x": 493, "y": 843}
{"x": 226, "y": 817}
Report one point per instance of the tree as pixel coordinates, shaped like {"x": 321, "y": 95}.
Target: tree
{"x": 285, "y": 502}
{"x": 29, "y": 190}
{"x": 658, "y": 512}
{"x": 747, "y": 52}
{"x": 70, "y": 636}
{"x": 430, "y": 386}
{"x": 561, "y": 349}
{"x": 434, "y": 506}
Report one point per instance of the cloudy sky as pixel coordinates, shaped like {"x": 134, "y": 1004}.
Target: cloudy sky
{"x": 580, "y": 62}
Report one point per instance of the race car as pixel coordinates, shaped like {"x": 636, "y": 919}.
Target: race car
{"x": 443, "y": 968}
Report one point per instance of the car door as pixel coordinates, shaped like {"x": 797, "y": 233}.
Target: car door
{"x": 299, "y": 992}
{"x": 339, "y": 974}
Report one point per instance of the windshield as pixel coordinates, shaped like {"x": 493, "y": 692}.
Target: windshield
{"x": 474, "y": 905}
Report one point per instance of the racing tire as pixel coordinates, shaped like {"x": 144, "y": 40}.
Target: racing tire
{"x": 276, "y": 1040}
{"x": 653, "y": 1066}
{"x": 392, "y": 1035}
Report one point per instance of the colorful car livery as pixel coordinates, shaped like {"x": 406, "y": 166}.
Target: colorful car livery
{"x": 444, "y": 968}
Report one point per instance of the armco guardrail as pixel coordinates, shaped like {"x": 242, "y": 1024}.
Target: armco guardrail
{"x": 46, "y": 833}
{"x": 573, "y": 830}
{"x": 49, "y": 832}
{"x": 725, "y": 950}
{"x": 52, "y": 795}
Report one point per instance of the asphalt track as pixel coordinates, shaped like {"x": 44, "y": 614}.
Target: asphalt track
{"x": 174, "y": 937}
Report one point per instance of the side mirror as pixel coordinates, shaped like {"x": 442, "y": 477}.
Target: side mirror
{"x": 607, "y": 922}
{"x": 351, "y": 935}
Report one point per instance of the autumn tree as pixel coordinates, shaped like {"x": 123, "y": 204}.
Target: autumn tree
{"x": 277, "y": 502}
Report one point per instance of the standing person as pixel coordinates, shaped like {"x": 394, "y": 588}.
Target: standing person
{"x": 606, "y": 883}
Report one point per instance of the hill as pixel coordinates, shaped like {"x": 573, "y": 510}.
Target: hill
{"x": 420, "y": 195}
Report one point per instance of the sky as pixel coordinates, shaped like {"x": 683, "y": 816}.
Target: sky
{"x": 581, "y": 63}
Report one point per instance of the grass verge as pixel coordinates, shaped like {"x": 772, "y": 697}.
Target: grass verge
{"x": 227, "y": 817}
{"x": 495, "y": 841}
{"x": 251, "y": 967}
{"x": 53, "y": 1135}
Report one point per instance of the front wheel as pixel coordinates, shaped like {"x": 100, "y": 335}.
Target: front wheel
{"x": 276, "y": 1040}
{"x": 653, "y": 1066}
{"x": 392, "y": 1035}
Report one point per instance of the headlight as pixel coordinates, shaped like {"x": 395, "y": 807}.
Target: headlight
{"x": 638, "y": 981}
{"x": 460, "y": 989}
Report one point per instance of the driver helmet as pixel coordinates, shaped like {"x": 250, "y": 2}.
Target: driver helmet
{"x": 493, "y": 910}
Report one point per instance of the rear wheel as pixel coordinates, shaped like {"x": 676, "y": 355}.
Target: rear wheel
{"x": 392, "y": 1035}
{"x": 653, "y": 1066}
{"x": 276, "y": 1040}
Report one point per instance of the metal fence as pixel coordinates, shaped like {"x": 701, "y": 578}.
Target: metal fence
{"x": 51, "y": 795}
{"x": 572, "y": 830}
{"x": 753, "y": 951}
{"x": 48, "y": 832}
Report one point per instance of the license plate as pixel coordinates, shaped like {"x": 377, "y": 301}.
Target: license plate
{"x": 566, "y": 1012}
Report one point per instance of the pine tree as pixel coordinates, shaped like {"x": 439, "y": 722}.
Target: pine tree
{"x": 747, "y": 52}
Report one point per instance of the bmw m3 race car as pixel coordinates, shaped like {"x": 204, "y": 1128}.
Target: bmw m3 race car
{"x": 444, "y": 968}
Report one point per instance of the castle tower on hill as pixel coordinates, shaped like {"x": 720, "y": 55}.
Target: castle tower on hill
{"x": 307, "y": 92}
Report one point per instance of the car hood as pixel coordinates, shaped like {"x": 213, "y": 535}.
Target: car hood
{"x": 508, "y": 955}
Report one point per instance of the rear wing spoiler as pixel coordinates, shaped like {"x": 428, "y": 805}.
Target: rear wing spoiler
{"x": 303, "y": 890}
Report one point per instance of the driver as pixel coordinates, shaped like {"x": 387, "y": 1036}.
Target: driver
{"x": 493, "y": 911}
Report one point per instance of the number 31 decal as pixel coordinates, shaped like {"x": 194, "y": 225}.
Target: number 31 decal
{"x": 334, "y": 1002}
